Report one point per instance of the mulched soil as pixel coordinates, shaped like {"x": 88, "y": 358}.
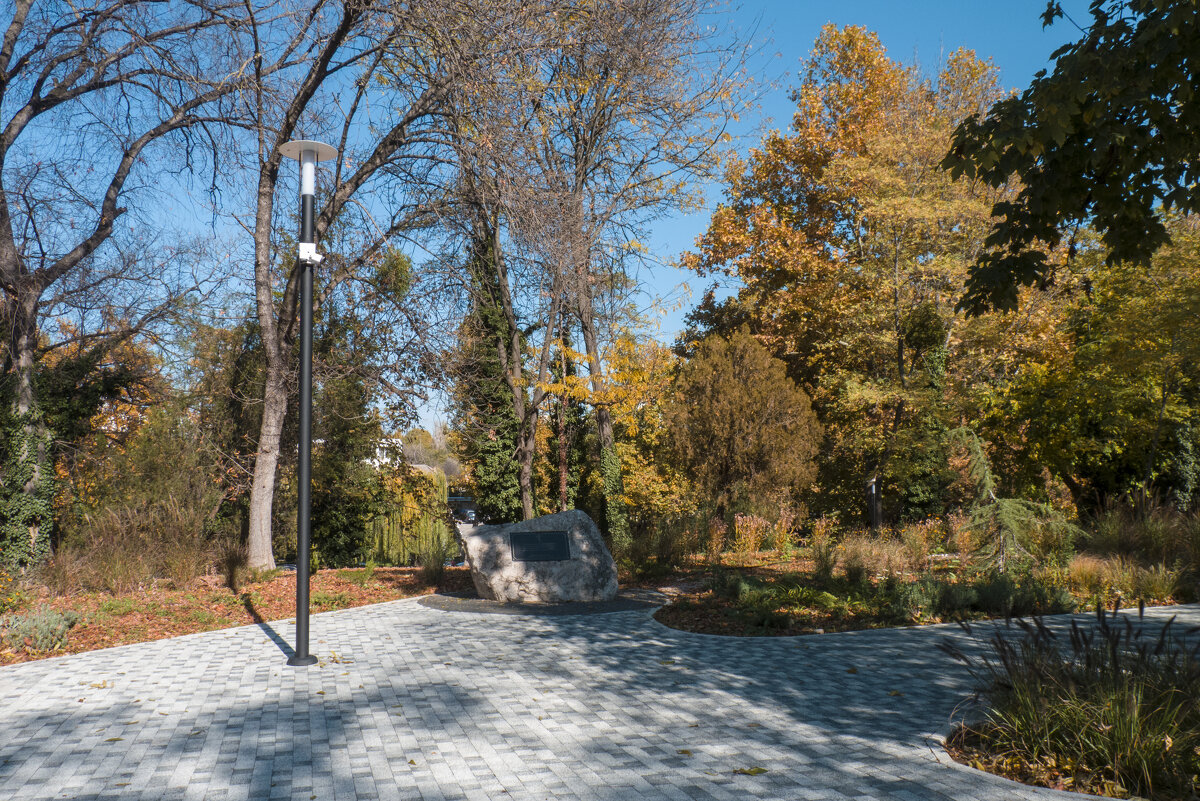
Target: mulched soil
{"x": 968, "y": 747}
{"x": 159, "y": 612}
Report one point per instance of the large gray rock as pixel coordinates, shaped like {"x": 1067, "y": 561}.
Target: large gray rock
{"x": 539, "y": 574}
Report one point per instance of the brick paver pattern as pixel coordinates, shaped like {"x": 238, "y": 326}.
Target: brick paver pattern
{"x": 409, "y": 702}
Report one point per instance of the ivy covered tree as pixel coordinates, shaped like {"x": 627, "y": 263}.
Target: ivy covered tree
{"x": 83, "y": 385}
{"x": 485, "y": 424}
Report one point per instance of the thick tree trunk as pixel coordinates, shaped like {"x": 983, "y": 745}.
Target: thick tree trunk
{"x": 526, "y": 450}
{"x": 266, "y": 462}
{"x": 874, "y": 484}
{"x": 874, "y": 503}
{"x": 24, "y": 341}
{"x": 610, "y": 463}
{"x": 29, "y": 532}
{"x": 270, "y": 321}
{"x": 900, "y": 370}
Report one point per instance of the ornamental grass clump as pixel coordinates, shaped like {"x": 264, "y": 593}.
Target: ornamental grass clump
{"x": 749, "y": 534}
{"x": 1108, "y": 707}
{"x": 823, "y": 549}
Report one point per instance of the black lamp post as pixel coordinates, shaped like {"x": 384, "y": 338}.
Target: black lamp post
{"x": 308, "y": 154}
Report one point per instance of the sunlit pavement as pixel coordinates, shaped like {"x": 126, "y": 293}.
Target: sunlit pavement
{"x": 411, "y": 702}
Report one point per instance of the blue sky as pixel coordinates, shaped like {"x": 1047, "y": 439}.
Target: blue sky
{"x": 1009, "y": 32}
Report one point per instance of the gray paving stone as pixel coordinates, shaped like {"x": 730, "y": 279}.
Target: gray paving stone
{"x": 584, "y": 707}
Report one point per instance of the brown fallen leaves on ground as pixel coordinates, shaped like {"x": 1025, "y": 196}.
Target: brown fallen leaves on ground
{"x": 156, "y": 613}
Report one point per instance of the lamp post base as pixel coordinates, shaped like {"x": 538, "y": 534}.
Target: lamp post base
{"x": 300, "y": 661}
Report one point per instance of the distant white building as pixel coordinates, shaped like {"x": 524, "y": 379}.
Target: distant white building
{"x": 389, "y": 451}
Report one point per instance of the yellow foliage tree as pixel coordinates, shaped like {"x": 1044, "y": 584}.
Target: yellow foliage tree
{"x": 851, "y": 244}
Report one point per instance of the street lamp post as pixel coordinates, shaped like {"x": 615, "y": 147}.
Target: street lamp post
{"x": 308, "y": 154}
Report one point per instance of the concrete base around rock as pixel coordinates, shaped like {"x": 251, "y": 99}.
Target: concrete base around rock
{"x": 589, "y": 575}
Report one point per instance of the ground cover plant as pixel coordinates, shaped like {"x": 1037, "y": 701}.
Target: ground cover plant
{"x": 1107, "y": 708}
{"x": 766, "y": 602}
{"x": 927, "y": 572}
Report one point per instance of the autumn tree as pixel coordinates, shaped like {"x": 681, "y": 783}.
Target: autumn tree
{"x": 569, "y": 419}
{"x": 739, "y": 427}
{"x": 639, "y": 386}
{"x": 1112, "y": 409}
{"x": 850, "y": 244}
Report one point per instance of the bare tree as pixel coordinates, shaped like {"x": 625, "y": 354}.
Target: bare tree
{"x": 376, "y": 79}
{"x": 604, "y": 128}
{"x": 94, "y": 97}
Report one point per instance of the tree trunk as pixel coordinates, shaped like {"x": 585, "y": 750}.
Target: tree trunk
{"x": 874, "y": 485}
{"x": 874, "y": 503}
{"x": 270, "y": 322}
{"x": 563, "y": 452}
{"x": 900, "y": 371}
{"x": 610, "y": 464}
{"x": 1165, "y": 394}
{"x": 266, "y": 462}
{"x": 26, "y": 539}
{"x": 526, "y": 450}
{"x": 564, "y": 430}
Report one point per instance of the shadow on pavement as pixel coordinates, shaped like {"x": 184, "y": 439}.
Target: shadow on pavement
{"x": 274, "y": 636}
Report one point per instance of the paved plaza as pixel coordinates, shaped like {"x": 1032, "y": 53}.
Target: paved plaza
{"x": 413, "y": 702}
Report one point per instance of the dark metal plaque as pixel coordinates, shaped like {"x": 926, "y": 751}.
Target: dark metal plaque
{"x": 539, "y": 546}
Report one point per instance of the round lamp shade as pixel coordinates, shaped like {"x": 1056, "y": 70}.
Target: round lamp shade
{"x": 296, "y": 147}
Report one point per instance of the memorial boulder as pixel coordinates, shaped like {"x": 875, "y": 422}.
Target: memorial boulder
{"x": 549, "y": 559}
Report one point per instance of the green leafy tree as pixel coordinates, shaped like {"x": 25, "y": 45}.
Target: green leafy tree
{"x": 739, "y": 426}
{"x": 347, "y": 493}
{"x": 1109, "y": 138}
{"x": 1115, "y": 409}
{"x": 224, "y": 374}
{"x": 347, "y": 490}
